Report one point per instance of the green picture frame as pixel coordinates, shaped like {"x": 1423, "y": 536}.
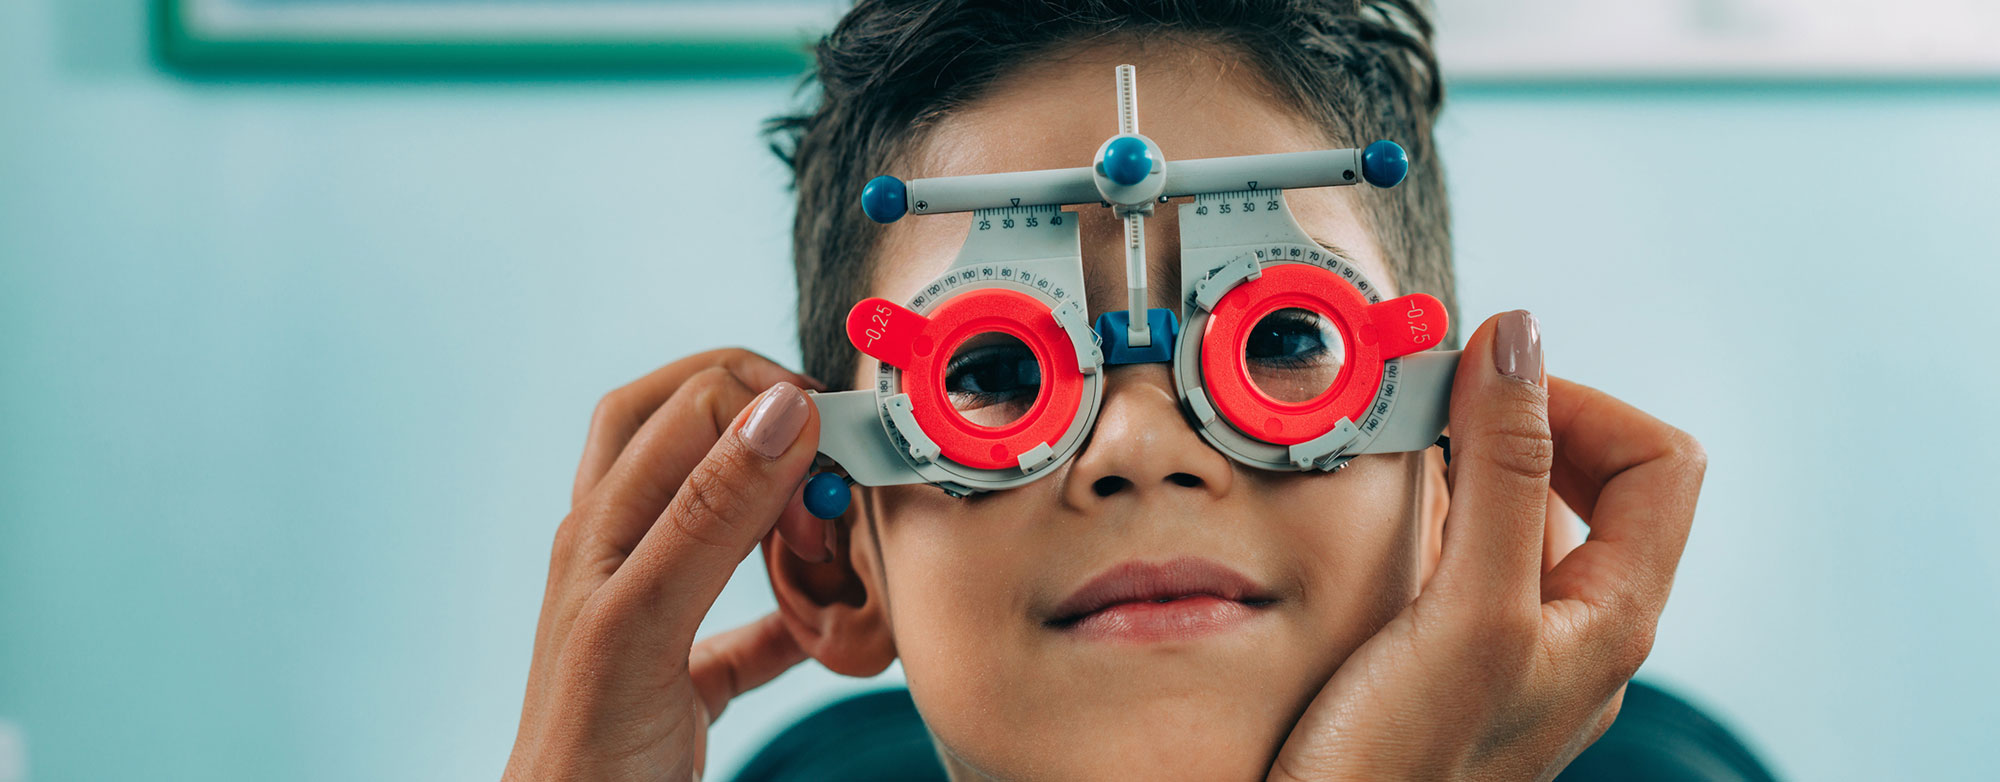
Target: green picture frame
{"x": 632, "y": 36}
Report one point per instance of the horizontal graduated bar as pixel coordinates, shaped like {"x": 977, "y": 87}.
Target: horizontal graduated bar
{"x": 1064, "y": 186}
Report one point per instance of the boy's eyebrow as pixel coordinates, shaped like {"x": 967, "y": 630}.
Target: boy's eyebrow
{"x": 1337, "y": 250}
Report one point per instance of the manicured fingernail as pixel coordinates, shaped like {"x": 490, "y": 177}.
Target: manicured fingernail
{"x": 1517, "y": 347}
{"x": 776, "y": 421}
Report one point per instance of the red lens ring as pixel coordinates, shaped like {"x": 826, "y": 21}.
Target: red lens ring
{"x": 1227, "y": 375}
{"x": 1022, "y": 317}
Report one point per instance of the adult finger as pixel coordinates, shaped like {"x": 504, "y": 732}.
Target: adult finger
{"x": 592, "y": 541}
{"x": 638, "y": 486}
{"x": 602, "y": 530}
{"x": 741, "y": 660}
{"x": 1501, "y": 453}
{"x": 620, "y": 413}
{"x": 1639, "y": 479}
{"x": 728, "y": 503}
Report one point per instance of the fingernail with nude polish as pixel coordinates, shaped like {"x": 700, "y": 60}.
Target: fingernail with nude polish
{"x": 1517, "y": 347}
{"x": 776, "y": 421}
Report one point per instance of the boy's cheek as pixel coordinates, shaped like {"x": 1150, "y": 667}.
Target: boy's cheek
{"x": 1015, "y": 699}
{"x": 1056, "y": 710}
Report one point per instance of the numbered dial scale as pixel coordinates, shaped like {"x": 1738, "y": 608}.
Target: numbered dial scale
{"x": 992, "y": 375}
{"x": 1011, "y": 305}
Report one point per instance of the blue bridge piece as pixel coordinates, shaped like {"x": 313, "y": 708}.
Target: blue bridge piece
{"x": 1113, "y": 328}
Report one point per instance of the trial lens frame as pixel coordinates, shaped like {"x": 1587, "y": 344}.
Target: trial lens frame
{"x": 1020, "y": 274}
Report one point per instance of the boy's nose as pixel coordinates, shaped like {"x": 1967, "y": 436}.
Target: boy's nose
{"x": 1142, "y": 445}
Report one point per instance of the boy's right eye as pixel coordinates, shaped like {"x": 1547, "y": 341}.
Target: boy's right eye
{"x": 993, "y": 379}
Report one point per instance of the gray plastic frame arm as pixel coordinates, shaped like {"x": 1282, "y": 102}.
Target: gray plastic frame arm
{"x": 1423, "y": 404}
{"x": 850, "y": 433}
{"x": 1066, "y": 186}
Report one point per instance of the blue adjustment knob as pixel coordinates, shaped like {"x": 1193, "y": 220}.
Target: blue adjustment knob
{"x": 827, "y": 494}
{"x": 1384, "y": 163}
{"x": 1127, "y": 161}
{"x": 884, "y": 199}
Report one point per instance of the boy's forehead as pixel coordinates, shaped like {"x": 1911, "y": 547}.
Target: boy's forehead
{"x": 1196, "y": 101}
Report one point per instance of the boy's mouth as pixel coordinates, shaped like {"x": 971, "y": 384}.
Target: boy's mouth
{"x": 1142, "y": 601}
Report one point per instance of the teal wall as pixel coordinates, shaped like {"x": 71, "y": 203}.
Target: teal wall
{"x": 293, "y": 375}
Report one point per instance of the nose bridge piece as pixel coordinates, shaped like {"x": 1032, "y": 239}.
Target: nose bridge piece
{"x": 1115, "y": 328}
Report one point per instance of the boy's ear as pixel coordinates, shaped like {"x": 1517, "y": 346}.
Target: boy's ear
{"x": 835, "y": 610}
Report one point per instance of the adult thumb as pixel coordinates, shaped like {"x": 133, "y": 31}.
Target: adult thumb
{"x": 728, "y": 503}
{"x": 1502, "y": 453}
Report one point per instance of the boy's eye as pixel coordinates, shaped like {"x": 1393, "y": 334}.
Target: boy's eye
{"x": 993, "y": 379}
{"x": 1294, "y": 355}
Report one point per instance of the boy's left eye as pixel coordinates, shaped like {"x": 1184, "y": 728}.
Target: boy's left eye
{"x": 1294, "y": 355}
{"x": 993, "y": 379}
{"x": 1292, "y": 338}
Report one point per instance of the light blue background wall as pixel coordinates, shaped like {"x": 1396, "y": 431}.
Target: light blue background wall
{"x": 293, "y": 377}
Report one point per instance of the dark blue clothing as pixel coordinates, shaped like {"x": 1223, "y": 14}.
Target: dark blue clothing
{"x": 878, "y": 736}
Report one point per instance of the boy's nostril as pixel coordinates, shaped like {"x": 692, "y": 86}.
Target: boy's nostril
{"x": 1110, "y": 485}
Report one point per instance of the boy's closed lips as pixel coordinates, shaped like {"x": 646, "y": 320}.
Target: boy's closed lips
{"x": 1150, "y": 602}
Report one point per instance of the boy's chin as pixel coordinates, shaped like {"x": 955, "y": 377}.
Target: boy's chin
{"x": 1216, "y": 706}
{"x": 1132, "y": 729}
{"x": 1187, "y": 739}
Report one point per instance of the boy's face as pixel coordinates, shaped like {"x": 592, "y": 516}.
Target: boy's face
{"x": 1271, "y": 579}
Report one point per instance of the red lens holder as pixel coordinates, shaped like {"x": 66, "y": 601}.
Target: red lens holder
{"x": 921, "y": 346}
{"x": 1372, "y": 333}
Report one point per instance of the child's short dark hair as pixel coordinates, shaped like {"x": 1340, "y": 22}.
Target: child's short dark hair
{"x": 1362, "y": 69}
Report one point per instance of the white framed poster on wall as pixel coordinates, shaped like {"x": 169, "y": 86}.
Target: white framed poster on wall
{"x": 671, "y": 35}
{"x": 1495, "y": 41}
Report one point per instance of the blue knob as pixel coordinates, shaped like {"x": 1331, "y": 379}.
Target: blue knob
{"x": 1127, "y": 160}
{"x": 884, "y": 199}
{"x": 1384, "y": 163}
{"x": 827, "y": 494}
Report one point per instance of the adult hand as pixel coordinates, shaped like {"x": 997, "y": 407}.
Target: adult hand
{"x": 1501, "y": 669}
{"x": 675, "y": 488}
